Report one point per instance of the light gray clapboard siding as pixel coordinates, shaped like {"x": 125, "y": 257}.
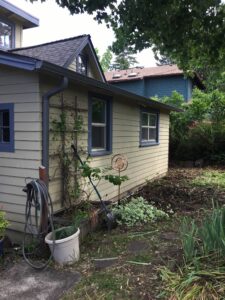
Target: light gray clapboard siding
{"x": 22, "y": 89}
{"x": 145, "y": 163}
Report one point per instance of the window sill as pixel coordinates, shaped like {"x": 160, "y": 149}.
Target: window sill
{"x": 6, "y": 148}
{"x": 149, "y": 144}
{"x": 100, "y": 153}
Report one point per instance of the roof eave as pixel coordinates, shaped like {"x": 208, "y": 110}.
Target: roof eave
{"x": 28, "y": 20}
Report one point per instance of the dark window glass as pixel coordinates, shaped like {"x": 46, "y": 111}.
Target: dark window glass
{"x": 98, "y": 124}
{"x": 98, "y": 138}
{"x": 98, "y": 111}
{"x": 5, "y": 35}
{"x": 4, "y": 126}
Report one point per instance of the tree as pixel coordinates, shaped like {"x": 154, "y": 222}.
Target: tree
{"x": 124, "y": 60}
{"x": 188, "y": 31}
{"x": 105, "y": 60}
{"x": 163, "y": 60}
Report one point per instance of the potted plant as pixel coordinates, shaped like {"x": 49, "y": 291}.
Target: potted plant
{"x": 3, "y": 225}
{"x": 64, "y": 244}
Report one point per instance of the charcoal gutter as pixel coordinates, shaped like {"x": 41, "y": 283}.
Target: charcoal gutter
{"x": 45, "y": 119}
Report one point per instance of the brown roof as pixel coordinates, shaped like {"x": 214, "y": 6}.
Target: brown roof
{"x": 60, "y": 52}
{"x": 140, "y": 73}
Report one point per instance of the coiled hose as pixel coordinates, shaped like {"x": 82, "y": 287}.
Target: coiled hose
{"x": 38, "y": 222}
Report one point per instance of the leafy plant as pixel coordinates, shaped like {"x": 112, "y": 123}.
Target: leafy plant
{"x": 137, "y": 211}
{"x": 116, "y": 179}
{"x": 3, "y": 224}
{"x": 189, "y": 237}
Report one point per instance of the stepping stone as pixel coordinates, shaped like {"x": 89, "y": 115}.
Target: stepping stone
{"x": 138, "y": 246}
{"x": 23, "y": 282}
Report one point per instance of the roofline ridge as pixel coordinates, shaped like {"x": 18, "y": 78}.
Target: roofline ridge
{"x": 49, "y": 43}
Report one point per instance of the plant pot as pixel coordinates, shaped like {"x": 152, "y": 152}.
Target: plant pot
{"x": 65, "y": 251}
{"x": 1, "y": 246}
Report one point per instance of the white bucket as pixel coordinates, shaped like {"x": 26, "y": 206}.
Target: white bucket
{"x": 66, "y": 251}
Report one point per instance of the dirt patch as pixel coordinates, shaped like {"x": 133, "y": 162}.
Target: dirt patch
{"x": 137, "y": 246}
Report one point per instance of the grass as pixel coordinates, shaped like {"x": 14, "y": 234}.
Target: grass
{"x": 210, "y": 179}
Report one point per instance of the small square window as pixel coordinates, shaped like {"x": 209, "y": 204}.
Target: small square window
{"x": 100, "y": 132}
{"x": 6, "y": 127}
{"x": 149, "y": 132}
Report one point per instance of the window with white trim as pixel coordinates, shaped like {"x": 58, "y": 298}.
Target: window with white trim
{"x": 100, "y": 125}
{"x": 149, "y": 128}
{"x": 5, "y": 35}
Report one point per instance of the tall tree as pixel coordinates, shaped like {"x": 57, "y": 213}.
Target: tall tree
{"x": 124, "y": 60}
{"x": 188, "y": 31}
{"x": 105, "y": 60}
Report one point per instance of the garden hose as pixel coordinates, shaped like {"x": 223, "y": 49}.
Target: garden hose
{"x": 38, "y": 222}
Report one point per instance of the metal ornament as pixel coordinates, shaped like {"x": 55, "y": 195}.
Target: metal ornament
{"x": 119, "y": 162}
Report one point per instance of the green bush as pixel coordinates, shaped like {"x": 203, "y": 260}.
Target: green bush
{"x": 3, "y": 224}
{"x": 199, "y": 131}
{"x": 137, "y": 212}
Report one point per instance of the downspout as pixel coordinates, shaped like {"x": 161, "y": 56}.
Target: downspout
{"x": 45, "y": 120}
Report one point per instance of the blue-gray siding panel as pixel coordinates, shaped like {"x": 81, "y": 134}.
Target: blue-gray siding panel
{"x": 162, "y": 86}
{"x": 134, "y": 86}
{"x": 165, "y": 86}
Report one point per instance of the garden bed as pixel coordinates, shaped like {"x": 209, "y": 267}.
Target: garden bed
{"x": 134, "y": 256}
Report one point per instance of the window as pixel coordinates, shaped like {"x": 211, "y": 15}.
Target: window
{"x": 5, "y": 35}
{"x": 149, "y": 128}
{"x": 6, "y": 128}
{"x": 82, "y": 64}
{"x": 100, "y": 125}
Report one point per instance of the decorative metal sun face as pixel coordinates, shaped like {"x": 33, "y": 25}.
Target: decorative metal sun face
{"x": 119, "y": 162}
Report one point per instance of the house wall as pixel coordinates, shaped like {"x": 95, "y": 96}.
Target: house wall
{"x": 163, "y": 86}
{"x": 22, "y": 89}
{"x": 145, "y": 163}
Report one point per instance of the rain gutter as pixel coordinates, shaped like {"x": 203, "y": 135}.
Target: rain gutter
{"x": 45, "y": 120}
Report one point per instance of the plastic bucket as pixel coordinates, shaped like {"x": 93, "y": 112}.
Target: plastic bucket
{"x": 65, "y": 251}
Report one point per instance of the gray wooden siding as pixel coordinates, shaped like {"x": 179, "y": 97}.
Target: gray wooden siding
{"x": 22, "y": 89}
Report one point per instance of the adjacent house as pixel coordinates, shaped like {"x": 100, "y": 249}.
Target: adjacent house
{"x": 38, "y": 85}
{"x": 154, "y": 81}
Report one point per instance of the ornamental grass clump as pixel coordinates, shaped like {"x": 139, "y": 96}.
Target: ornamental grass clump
{"x": 136, "y": 212}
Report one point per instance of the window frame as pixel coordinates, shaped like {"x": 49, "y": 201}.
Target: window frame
{"x": 144, "y": 143}
{"x": 8, "y": 147}
{"x": 12, "y": 25}
{"x": 84, "y": 59}
{"x": 108, "y": 124}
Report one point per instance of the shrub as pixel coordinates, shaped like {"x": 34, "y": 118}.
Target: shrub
{"x": 136, "y": 212}
{"x": 3, "y": 224}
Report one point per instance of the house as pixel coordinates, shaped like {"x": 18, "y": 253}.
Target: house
{"x": 38, "y": 85}
{"x": 154, "y": 81}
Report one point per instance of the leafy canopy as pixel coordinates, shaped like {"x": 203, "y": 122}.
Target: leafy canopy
{"x": 189, "y": 32}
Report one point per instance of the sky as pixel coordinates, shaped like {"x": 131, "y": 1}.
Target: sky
{"x": 56, "y": 23}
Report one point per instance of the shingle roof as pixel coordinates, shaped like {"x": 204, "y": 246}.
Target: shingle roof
{"x": 58, "y": 52}
{"x": 140, "y": 73}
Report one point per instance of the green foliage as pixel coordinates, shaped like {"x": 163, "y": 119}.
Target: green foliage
{"x": 116, "y": 179}
{"x": 124, "y": 60}
{"x": 181, "y": 30}
{"x": 213, "y": 179}
{"x": 106, "y": 59}
{"x": 136, "y": 212}
{"x": 198, "y": 132}
{"x": 189, "y": 232}
{"x": 3, "y": 224}
{"x": 88, "y": 171}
